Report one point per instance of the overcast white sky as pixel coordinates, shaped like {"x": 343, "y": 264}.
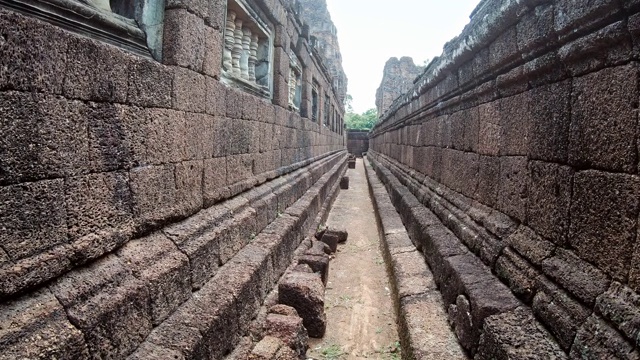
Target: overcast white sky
{"x": 372, "y": 31}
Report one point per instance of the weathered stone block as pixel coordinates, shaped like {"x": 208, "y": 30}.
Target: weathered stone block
{"x": 318, "y": 264}
{"x": 43, "y": 137}
{"x": 98, "y": 204}
{"x": 318, "y": 247}
{"x": 116, "y": 140}
{"x": 412, "y": 276}
{"x": 518, "y": 274}
{"x": 489, "y": 128}
{"x": 36, "y": 326}
{"x": 515, "y": 124}
{"x": 504, "y": 50}
{"x": 157, "y": 262}
{"x": 33, "y": 54}
{"x": 96, "y": 71}
{"x": 199, "y": 7}
{"x": 517, "y": 335}
{"x": 549, "y": 122}
{"x": 149, "y": 351}
{"x": 597, "y": 340}
{"x": 580, "y": 278}
{"x": 222, "y": 133}
{"x": 184, "y": 39}
{"x": 240, "y": 230}
{"x": 305, "y": 293}
{"x": 331, "y": 240}
{"x": 239, "y": 167}
{"x": 488, "y": 179}
{"x": 549, "y": 200}
{"x": 603, "y": 120}
{"x": 216, "y": 97}
{"x": 199, "y": 238}
{"x": 188, "y": 177}
{"x": 290, "y": 330}
{"x": 530, "y": 245}
{"x": 604, "y": 211}
{"x": 344, "y": 183}
{"x": 153, "y": 191}
{"x": 199, "y": 133}
{"x": 612, "y": 45}
{"x": 562, "y": 314}
{"x": 34, "y": 218}
{"x": 189, "y": 90}
{"x": 149, "y": 84}
{"x": 535, "y": 31}
{"x": 214, "y": 181}
{"x": 240, "y": 137}
{"x": 165, "y": 136}
{"x": 440, "y": 244}
{"x": 621, "y": 306}
{"x": 466, "y": 275}
{"x": 268, "y": 348}
{"x": 574, "y": 18}
{"x": 35, "y": 270}
{"x": 428, "y": 336}
{"x": 513, "y": 187}
{"x": 109, "y": 305}
{"x": 216, "y": 15}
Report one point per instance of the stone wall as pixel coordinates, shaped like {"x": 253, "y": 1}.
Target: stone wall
{"x": 145, "y": 206}
{"x": 397, "y": 79}
{"x": 316, "y": 14}
{"x": 357, "y": 142}
{"x": 513, "y": 162}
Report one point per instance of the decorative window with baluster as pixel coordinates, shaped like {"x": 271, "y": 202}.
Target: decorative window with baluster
{"x": 315, "y": 100}
{"x": 246, "y": 61}
{"x": 295, "y": 82}
{"x": 135, "y": 25}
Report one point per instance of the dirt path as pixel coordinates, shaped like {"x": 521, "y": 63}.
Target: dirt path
{"x": 360, "y": 317}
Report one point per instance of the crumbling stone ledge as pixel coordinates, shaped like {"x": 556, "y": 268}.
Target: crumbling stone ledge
{"x": 488, "y": 320}
{"x": 245, "y": 346}
{"x": 424, "y": 331}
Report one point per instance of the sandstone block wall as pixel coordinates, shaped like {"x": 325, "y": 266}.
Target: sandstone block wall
{"x": 514, "y": 164}
{"x": 146, "y": 207}
{"x": 357, "y": 141}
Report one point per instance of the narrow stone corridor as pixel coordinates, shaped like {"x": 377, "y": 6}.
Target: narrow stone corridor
{"x": 360, "y": 316}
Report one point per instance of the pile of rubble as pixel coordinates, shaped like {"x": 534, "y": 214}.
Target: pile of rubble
{"x": 300, "y": 313}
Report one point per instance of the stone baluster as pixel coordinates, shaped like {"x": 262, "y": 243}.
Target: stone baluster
{"x": 236, "y": 53}
{"x": 99, "y": 4}
{"x": 292, "y": 87}
{"x": 253, "y": 58}
{"x": 246, "y": 50}
{"x": 229, "y": 40}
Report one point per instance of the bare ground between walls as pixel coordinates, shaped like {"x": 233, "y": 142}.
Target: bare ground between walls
{"x": 361, "y": 323}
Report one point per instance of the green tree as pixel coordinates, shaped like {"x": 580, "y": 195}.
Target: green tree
{"x": 364, "y": 121}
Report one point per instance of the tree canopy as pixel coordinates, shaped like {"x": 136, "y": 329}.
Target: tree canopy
{"x": 364, "y": 121}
